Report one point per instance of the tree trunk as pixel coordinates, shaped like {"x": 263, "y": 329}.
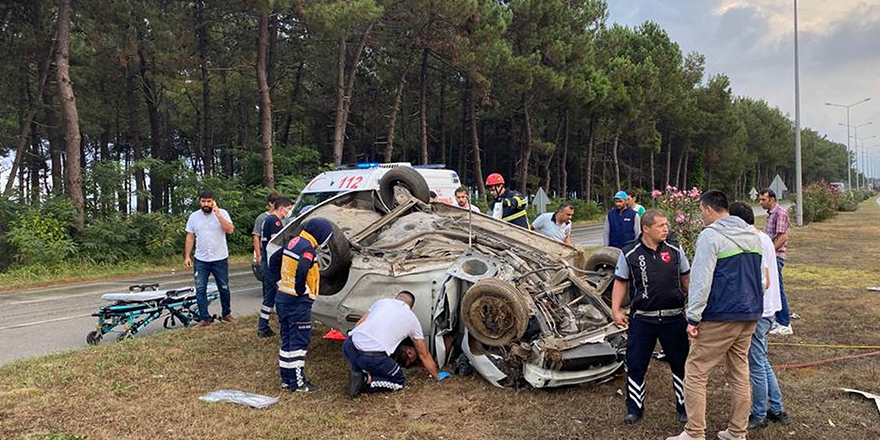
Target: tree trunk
{"x": 31, "y": 113}
{"x": 466, "y": 97}
{"x": 423, "y": 108}
{"x": 668, "y": 158}
{"x": 345, "y": 90}
{"x": 527, "y": 146}
{"x": 678, "y": 170}
{"x": 52, "y": 127}
{"x": 265, "y": 101}
{"x": 590, "y": 147}
{"x": 339, "y": 124}
{"x": 616, "y": 162}
{"x": 684, "y": 177}
{"x": 475, "y": 141}
{"x": 442, "y": 118}
{"x": 134, "y": 136}
{"x": 70, "y": 116}
{"x": 158, "y": 183}
{"x": 392, "y": 118}
{"x": 652, "y": 170}
{"x": 563, "y": 160}
{"x": 205, "y": 138}
{"x": 294, "y": 95}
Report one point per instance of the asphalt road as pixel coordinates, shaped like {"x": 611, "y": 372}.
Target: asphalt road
{"x": 47, "y": 320}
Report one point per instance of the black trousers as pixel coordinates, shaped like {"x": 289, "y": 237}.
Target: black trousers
{"x": 641, "y": 339}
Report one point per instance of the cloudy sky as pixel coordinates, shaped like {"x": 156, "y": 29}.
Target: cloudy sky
{"x": 752, "y": 41}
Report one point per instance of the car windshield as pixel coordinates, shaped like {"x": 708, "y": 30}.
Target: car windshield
{"x": 308, "y": 201}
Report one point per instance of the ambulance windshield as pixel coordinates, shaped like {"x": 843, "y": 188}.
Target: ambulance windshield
{"x": 307, "y": 201}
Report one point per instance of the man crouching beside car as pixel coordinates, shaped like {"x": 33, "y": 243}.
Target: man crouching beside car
{"x": 376, "y": 336}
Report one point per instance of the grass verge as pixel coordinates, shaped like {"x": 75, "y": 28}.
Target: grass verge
{"x": 79, "y": 271}
{"x": 149, "y": 387}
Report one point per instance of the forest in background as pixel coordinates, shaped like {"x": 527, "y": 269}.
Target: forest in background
{"x": 113, "y": 113}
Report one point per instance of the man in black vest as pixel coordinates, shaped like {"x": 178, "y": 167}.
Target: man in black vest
{"x": 621, "y": 223}
{"x": 655, "y": 272}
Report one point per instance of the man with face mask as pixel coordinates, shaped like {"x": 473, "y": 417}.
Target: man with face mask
{"x": 207, "y": 229}
{"x": 272, "y": 225}
{"x": 298, "y": 278}
{"x": 509, "y": 205}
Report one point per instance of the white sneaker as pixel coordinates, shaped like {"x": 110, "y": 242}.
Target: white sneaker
{"x": 782, "y": 330}
{"x": 685, "y": 436}
{"x": 726, "y": 435}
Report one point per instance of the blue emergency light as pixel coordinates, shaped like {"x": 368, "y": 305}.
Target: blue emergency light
{"x": 367, "y": 165}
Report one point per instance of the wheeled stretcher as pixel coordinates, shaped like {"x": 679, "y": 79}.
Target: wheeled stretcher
{"x": 143, "y": 304}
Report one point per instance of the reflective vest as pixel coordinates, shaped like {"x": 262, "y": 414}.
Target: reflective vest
{"x": 298, "y": 268}
{"x": 513, "y": 208}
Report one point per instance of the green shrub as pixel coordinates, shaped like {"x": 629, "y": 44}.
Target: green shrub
{"x": 39, "y": 238}
{"x": 821, "y": 202}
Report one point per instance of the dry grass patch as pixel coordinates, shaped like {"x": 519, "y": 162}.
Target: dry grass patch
{"x": 149, "y": 387}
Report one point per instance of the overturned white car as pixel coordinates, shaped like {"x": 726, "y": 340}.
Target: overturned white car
{"x": 524, "y": 309}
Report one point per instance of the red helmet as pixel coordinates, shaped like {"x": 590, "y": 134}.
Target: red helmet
{"x": 494, "y": 179}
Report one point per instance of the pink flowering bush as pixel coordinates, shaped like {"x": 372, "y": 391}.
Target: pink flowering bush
{"x": 682, "y": 209}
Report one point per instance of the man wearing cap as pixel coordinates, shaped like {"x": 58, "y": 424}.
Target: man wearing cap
{"x": 298, "y": 278}
{"x": 621, "y": 223}
{"x": 509, "y": 205}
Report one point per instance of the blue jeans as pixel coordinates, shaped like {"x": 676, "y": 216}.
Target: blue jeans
{"x": 761, "y": 376}
{"x": 220, "y": 270}
{"x": 782, "y": 317}
{"x": 385, "y": 373}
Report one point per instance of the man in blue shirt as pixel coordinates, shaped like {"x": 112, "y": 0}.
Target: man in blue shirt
{"x": 621, "y": 223}
{"x": 272, "y": 225}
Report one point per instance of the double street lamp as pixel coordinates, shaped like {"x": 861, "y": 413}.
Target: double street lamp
{"x": 864, "y": 158}
{"x": 856, "y": 150}
{"x": 847, "y": 107}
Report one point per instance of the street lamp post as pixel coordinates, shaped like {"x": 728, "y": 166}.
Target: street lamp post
{"x": 864, "y": 158}
{"x": 847, "y": 107}
{"x": 798, "y": 165}
{"x": 858, "y": 159}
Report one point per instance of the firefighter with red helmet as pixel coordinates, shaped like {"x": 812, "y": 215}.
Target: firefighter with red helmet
{"x": 509, "y": 205}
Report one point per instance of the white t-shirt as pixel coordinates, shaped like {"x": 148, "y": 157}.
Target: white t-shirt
{"x": 772, "y": 298}
{"x": 389, "y": 322}
{"x": 210, "y": 237}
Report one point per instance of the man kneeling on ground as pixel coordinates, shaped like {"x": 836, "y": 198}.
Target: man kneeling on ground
{"x": 375, "y": 338}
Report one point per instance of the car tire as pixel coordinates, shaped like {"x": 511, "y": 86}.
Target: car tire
{"x": 332, "y": 285}
{"x": 409, "y": 179}
{"x": 605, "y": 260}
{"x": 255, "y": 268}
{"x": 494, "y": 312}
{"x": 334, "y": 258}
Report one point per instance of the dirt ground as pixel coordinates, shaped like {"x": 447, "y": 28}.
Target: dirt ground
{"x": 149, "y": 387}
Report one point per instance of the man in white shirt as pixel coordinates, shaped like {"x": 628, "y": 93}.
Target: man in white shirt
{"x": 463, "y": 201}
{"x": 207, "y": 229}
{"x": 556, "y": 225}
{"x": 761, "y": 376}
{"x": 376, "y": 337}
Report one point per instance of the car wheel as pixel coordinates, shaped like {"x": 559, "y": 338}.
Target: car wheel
{"x": 406, "y": 177}
{"x": 333, "y": 258}
{"x": 494, "y": 312}
{"x": 255, "y": 268}
{"x": 332, "y": 285}
{"x": 604, "y": 261}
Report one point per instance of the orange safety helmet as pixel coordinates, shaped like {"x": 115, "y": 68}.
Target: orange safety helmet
{"x": 494, "y": 179}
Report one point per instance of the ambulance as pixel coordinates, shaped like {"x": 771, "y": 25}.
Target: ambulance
{"x": 368, "y": 176}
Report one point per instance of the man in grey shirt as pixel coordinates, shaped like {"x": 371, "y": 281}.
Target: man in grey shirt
{"x": 556, "y": 225}
{"x": 258, "y": 226}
